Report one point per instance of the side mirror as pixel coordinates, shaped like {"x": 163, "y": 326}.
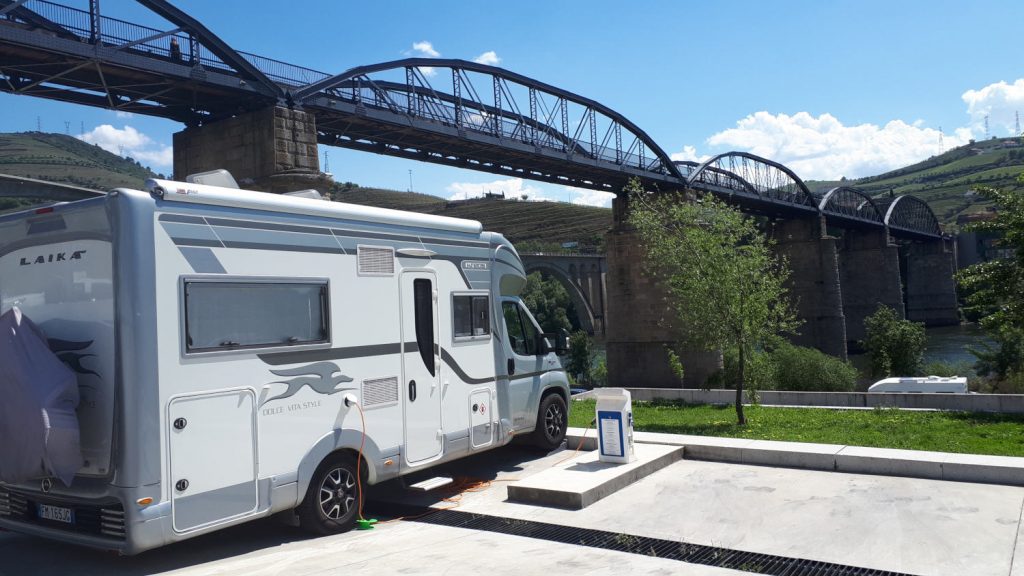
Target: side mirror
{"x": 557, "y": 342}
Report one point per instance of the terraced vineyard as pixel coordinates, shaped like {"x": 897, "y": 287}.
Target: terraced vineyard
{"x": 946, "y": 181}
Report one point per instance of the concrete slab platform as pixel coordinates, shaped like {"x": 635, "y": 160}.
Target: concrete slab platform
{"x": 582, "y": 480}
{"x": 1005, "y": 470}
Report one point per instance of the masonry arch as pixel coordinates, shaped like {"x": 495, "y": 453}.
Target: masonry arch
{"x": 584, "y": 312}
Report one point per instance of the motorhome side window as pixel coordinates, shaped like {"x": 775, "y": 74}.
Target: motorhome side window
{"x": 225, "y": 315}
{"x": 521, "y": 333}
{"x": 471, "y": 316}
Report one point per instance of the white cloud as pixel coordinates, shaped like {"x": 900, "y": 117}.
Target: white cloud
{"x": 123, "y": 114}
{"x": 512, "y": 188}
{"x": 586, "y": 197}
{"x": 490, "y": 58}
{"x": 1000, "y": 102}
{"x": 823, "y": 148}
{"x": 131, "y": 142}
{"x": 688, "y": 153}
{"x": 425, "y": 49}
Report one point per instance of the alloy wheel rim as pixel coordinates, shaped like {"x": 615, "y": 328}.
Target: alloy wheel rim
{"x": 337, "y": 493}
{"x": 554, "y": 420}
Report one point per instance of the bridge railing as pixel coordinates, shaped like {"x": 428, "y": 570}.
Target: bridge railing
{"x": 116, "y": 32}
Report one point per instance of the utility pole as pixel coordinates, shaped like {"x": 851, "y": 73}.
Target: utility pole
{"x": 327, "y": 163}
{"x": 410, "y": 179}
{"x": 942, "y": 147}
{"x": 986, "y": 126}
{"x": 39, "y": 123}
{"x": 82, "y": 126}
{"x": 67, "y": 128}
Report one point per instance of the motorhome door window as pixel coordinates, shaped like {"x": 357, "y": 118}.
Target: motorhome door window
{"x": 423, "y": 298}
{"x": 521, "y": 333}
{"x": 224, "y": 315}
{"x": 471, "y": 316}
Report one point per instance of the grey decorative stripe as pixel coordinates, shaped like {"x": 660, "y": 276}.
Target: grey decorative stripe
{"x": 202, "y": 260}
{"x": 351, "y": 352}
{"x": 284, "y": 247}
{"x": 181, "y": 219}
{"x": 197, "y": 242}
{"x": 267, "y": 226}
{"x": 518, "y": 267}
{"x": 447, "y": 358}
{"x": 348, "y": 353}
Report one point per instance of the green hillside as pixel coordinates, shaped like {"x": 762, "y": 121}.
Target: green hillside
{"x": 532, "y": 226}
{"x": 60, "y": 158}
{"x": 945, "y": 181}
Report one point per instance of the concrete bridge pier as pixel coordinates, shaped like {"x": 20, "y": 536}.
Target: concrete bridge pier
{"x": 931, "y": 289}
{"x": 869, "y": 269}
{"x": 813, "y": 283}
{"x": 638, "y": 331}
{"x": 273, "y": 149}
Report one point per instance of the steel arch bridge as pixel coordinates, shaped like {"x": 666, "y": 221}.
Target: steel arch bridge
{"x": 451, "y": 112}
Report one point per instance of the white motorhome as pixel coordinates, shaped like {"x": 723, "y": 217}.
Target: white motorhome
{"x": 225, "y": 342}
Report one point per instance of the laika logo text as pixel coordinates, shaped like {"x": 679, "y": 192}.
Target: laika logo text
{"x": 54, "y": 257}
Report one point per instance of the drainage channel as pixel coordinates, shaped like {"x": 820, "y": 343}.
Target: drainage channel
{"x": 655, "y": 547}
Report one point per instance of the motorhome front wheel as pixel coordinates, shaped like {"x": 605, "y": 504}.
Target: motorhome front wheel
{"x": 552, "y": 422}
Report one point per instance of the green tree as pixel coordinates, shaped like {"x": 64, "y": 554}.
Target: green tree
{"x": 994, "y": 290}
{"x": 726, "y": 286}
{"x": 895, "y": 346}
{"x": 580, "y": 358}
{"x": 549, "y": 302}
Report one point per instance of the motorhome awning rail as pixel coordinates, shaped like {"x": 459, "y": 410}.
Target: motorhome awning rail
{"x": 214, "y": 195}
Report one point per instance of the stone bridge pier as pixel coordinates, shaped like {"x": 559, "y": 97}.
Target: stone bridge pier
{"x": 584, "y": 278}
{"x": 273, "y": 150}
{"x": 814, "y": 283}
{"x": 869, "y": 269}
{"x": 928, "y": 269}
{"x": 639, "y": 319}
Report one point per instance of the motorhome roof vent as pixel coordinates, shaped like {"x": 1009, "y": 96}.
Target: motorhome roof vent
{"x": 219, "y": 177}
{"x": 380, "y": 392}
{"x": 376, "y": 261}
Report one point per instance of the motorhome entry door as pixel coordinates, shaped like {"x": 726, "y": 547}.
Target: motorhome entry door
{"x": 424, "y": 439}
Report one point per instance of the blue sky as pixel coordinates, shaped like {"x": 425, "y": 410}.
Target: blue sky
{"x": 841, "y": 88}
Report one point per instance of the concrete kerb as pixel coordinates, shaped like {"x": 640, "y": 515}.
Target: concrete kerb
{"x": 974, "y": 468}
{"x": 1001, "y": 403}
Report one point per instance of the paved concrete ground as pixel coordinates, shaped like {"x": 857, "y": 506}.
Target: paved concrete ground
{"x": 924, "y": 527}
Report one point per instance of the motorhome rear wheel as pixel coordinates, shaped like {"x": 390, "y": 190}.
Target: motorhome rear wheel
{"x": 332, "y": 499}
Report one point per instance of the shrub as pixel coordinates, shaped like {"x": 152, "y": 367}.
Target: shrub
{"x": 581, "y": 356}
{"x": 895, "y": 346}
{"x": 600, "y": 374}
{"x": 808, "y": 369}
{"x": 947, "y": 369}
{"x": 789, "y": 367}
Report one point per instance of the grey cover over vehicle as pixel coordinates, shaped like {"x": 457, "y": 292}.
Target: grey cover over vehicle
{"x": 39, "y": 433}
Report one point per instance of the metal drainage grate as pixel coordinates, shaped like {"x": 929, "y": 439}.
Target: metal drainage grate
{"x": 643, "y": 545}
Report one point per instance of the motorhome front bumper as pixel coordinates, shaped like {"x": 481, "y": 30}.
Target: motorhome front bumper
{"x": 102, "y": 524}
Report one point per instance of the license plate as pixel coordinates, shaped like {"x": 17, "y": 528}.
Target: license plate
{"x": 56, "y": 513}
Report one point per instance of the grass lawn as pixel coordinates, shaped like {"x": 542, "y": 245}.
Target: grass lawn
{"x": 968, "y": 433}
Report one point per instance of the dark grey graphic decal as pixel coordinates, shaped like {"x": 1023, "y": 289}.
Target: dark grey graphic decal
{"x": 69, "y": 352}
{"x": 321, "y": 377}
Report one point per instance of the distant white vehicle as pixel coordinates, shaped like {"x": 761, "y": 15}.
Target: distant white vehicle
{"x": 922, "y": 384}
{"x": 225, "y": 343}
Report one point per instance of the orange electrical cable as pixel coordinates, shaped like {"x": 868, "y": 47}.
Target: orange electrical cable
{"x": 359, "y": 461}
